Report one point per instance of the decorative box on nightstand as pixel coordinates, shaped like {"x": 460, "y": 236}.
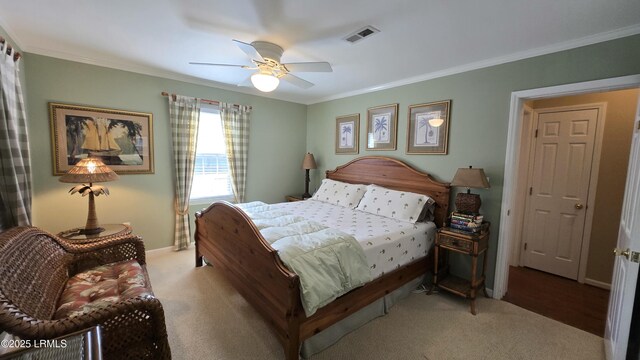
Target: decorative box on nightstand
{"x": 471, "y": 244}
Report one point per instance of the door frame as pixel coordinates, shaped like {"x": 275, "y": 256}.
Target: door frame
{"x": 508, "y": 220}
{"x": 525, "y": 171}
{"x": 526, "y": 142}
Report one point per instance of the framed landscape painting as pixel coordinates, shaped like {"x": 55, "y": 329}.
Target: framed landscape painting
{"x": 347, "y": 134}
{"x": 428, "y": 128}
{"x": 382, "y": 124}
{"x": 123, "y": 140}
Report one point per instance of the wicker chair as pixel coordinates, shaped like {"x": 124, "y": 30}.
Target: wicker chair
{"x": 34, "y": 269}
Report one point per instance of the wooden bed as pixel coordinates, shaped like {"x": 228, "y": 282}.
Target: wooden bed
{"x": 228, "y": 239}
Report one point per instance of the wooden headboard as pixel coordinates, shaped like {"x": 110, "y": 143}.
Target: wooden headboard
{"x": 394, "y": 174}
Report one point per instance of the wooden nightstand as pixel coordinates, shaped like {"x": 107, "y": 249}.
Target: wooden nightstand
{"x": 291, "y": 198}
{"x": 465, "y": 243}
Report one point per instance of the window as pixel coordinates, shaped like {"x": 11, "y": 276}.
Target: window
{"x": 211, "y": 178}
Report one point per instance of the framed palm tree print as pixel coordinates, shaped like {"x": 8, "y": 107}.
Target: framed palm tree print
{"x": 347, "y": 134}
{"x": 428, "y": 128}
{"x": 123, "y": 140}
{"x": 382, "y": 127}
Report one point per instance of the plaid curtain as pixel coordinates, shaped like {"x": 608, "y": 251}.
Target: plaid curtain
{"x": 235, "y": 120}
{"x": 184, "y": 115}
{"x": 15, "y": 168}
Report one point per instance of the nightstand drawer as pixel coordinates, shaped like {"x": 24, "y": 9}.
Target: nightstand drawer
{"x": 455, "y": 243}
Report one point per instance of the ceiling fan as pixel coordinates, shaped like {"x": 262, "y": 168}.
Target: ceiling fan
{"x": 266, "y": 60}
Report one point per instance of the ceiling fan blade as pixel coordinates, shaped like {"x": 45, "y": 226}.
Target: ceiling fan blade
{"x": 249, "y": 50}
{"x": 309, "y": 67}
{"x": 292, "y": 79}
{"x": 214, "y": 64}
{"x": 246, "y": 83}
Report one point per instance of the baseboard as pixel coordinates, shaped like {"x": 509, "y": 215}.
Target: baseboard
{"x": 159, "y": 251}
{"x": 596, "y": 283}
{"x": 490, "y": 292}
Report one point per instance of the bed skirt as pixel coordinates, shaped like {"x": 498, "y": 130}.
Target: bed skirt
{"x": 380, "y": 307}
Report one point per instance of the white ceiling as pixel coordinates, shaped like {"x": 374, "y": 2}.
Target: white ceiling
{"x": 419, "y": 39}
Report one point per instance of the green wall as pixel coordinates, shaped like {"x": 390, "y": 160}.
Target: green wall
{"x": 479, "y": 116}
{"x": 277, "y": 146}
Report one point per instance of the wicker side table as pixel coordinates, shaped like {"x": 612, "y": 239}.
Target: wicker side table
{"x": 473, "y": 245}
{"x": 110, "y": 231}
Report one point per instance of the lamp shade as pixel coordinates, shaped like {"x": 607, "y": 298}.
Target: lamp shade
{"x": 265, "y": 81}
{"x": 309, "y": 162}
{"x": 471, "y": 178}
{"x": 89, "y": 170}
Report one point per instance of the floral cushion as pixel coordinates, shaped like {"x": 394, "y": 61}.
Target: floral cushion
{"x": 101, "y": 286}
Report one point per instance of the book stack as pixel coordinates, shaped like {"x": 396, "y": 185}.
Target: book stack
{"x": 471, "y": 223}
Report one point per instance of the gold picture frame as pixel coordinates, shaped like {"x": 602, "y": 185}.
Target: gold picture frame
{"x": 347, "y": 134}
{"x": 382, "y": 127}
{"x": 422, "y": 136}
{"x": 121, "y": 139}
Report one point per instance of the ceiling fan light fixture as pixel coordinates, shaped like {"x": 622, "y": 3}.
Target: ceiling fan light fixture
{"x": 436, "y": 122}
{"x": 265, "y": 81}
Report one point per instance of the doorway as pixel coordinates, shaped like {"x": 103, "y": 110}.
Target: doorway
{"x": 510, "y": 224}
{"x": 562, "y": 166}
{"x": 598, "y": 271}
{"x": 581, "y": 301}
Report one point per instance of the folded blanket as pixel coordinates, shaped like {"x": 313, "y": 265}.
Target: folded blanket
{"x": 329, "y": 262}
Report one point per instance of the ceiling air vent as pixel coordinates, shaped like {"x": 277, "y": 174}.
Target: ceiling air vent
{"x": 361, "y": 34}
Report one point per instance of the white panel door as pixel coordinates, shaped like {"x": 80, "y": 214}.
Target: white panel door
{"x": 625, "y": 268}
{"x": 558, "y": 190}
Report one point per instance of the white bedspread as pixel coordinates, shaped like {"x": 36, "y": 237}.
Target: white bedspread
{"x": 388, "y": 243}
{"x": 328, "y": 261}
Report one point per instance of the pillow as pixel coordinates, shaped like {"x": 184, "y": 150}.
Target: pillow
{"x": 400, "y": 205}
{"x": 340, "y": 193}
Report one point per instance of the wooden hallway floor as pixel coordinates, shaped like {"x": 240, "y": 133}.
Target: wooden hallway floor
{"x": 579, "y": 305}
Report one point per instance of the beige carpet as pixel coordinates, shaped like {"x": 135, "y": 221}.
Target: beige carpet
{"x": 207, "y": 319}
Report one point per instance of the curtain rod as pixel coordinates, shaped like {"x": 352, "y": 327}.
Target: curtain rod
{"x": 16, "y": 55}
{"x": 212, "y": 102}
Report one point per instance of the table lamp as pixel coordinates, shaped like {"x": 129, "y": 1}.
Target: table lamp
{"x": 469, "y": 178}
{"x": 90, "y": 170}
{"x": 307, "y": 164}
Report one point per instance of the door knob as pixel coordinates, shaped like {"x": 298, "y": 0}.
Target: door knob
{"x": 619, "y": 252}
{"x": 578, "y": 206}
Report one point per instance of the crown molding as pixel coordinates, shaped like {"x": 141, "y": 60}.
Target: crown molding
{"x": 567, "y": 45}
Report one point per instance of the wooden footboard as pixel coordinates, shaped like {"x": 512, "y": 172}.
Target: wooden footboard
{"x": 227, "y": 238}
